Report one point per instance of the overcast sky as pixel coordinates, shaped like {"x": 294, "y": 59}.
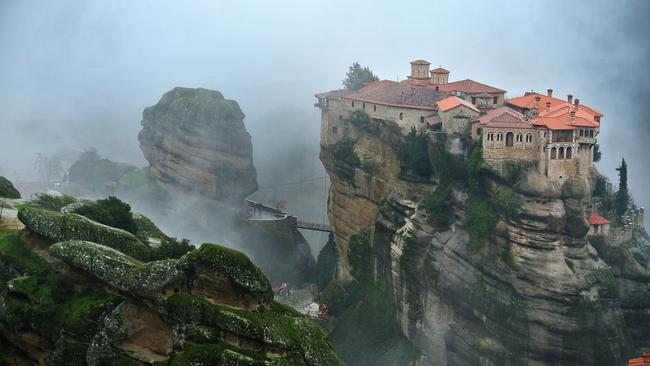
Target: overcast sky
{"x": 75, "y": 74}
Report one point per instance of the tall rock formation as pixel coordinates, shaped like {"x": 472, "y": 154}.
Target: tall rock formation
{"x": 196, "y": 141}
{"x": 538, "y": 291}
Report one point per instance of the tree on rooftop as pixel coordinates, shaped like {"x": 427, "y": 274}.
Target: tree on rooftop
{"x": 357, "y": 76}
{"x": 622, "y": 196}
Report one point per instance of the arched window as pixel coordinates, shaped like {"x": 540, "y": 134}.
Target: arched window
{"x": 520, "y": 137}
{"x": 529, "y": 138}
{"x": 499, "y": 136}
{"x": 561, "y": 155}
{"x": 401, "y": 116}
{"x": 554, "y": 153}
{"x": 569, "y": 152}
{"x": 490, "y": 136}
{"x": 510, "y": 139}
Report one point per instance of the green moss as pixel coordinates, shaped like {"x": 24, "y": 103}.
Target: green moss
{"x": 217, "y": 354}
{"x": 48, "y": 303}
{"x": 236, "y": 265}
{"x": 480, "y": 222}
{"x": 145, "y": 229}
{"x": 15, "y": 250}
{"x": 411, "y": 277}
{"x": 7, "y": 189}
{"x": 60, "y": 227}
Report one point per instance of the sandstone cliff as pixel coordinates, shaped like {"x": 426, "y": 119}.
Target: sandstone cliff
{"x": 534, "y": 290}
{"x": 76, "y": 292}
{"x": 196, "y": 141}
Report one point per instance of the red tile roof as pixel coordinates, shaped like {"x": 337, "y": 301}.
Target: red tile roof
{"x": 596, "y": 219}
{"x": 504, "y": 117}
{"x": 559, "y": 118}
{"x": 469, "y": 86}
{"x": 394, "y": 94}
{"x": 644, "y": 360}
{"x": 420, "y": 62}
{"x": 453, "y": 102}
{"x": 528, "y": 102}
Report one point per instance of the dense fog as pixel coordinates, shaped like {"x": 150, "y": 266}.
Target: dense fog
{"x": 77, "y": 74}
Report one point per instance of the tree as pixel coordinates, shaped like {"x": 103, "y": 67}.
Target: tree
{"x": 110, "y": 211}
{"x": 357, "y": 76}
{"x": 622, "y": 196}
{"x": 415, "y": 153}
{"x": 597, "y": 153}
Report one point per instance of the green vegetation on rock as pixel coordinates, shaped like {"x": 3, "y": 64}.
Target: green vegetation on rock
{"x": 70, "y": 226}
{"x": 7, "y": 189}
{"x": 110, "y": 211}
{"x": 327, "y": 261}
{"x": 414, "y": 154}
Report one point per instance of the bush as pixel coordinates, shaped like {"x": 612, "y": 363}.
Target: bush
{"x": 360, "y": 119}
{"x": 438, "y": 206}
{"x": 480, "y": 222}
{"x": 112, "y": 212}
{"x": 360, "y": 256}
{"x": 54, "y": 201}
{"x": 171, "y": 249}
{"x": 507, "y": 202}
{"x": 414, "y": 153}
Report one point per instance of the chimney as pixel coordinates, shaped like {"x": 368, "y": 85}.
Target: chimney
{"x": 573, "y": 116}
{"x": 548, "y": 106}
{"x": 577, "y": 103}
{"x": 537, "y": 99}
{"x": 569, "y": 98}
{"x": 549, "y": 92}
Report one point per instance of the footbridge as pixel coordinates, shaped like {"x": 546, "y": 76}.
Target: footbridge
{"x": 264, "y": 214}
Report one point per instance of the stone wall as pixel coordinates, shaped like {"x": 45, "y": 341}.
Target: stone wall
{"x": 495, "y": 149}
{"x": 457, "y": 120}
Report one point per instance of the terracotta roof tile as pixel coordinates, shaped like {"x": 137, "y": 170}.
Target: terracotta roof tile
{"x": 528, "y": 102}
{"x": 453, "y": 102}
{"x": 469, "y": 86}
{"x": 504, "y": 117}
{"x": 420, "y": 62}
{"x": 391, "y": 93}
{"x": 596, "y": 219}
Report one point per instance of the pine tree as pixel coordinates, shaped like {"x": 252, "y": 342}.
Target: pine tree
{"x": 622, "y": 196}
{"x": 357, "y": 76}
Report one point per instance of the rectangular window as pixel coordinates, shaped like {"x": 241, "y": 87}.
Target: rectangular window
{"x": 582, "y": 133}
{"x": 353, "y": 104}
{"x": 495, "y": 100}
{"x": 473, "y": 100}
{"x": 421, "y": 119}
{"x": 363, "y": 105}
{"x": 340, "y": 116}
{"x": 335, "y": 129}
{"x": 591, "y": 133}
{"x": 401, "y": 116}
{"x": 374, "y": 108}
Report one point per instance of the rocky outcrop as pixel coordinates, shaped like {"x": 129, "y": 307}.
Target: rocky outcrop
{"x": 535, "y": 291}
{"x": 195, "y": 141}
{"x": 75, "y": 302}
{"x": 7, "y": 189}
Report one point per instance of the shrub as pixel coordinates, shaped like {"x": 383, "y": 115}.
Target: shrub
{"x": 507, "y": 202}
{"x": 438, "y": 206}
{"x": 480, "y": 222}
{"x": 360, "y": 119}
{"x": 171, "y": 249}
{"x": 360, "y": 256}
{"x": 110, "y": 211}
{"x": 414, "y": 153}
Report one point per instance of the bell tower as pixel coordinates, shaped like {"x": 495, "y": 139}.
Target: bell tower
{"x": 419, "y": 69}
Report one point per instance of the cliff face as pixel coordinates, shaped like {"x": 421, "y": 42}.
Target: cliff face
{"x": 73, "y": 293}
{"x": 538, "y": 291}
{"x": 195, "y": 140}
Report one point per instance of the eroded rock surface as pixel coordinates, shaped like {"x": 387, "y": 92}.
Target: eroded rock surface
{"x": 195, "y": 141}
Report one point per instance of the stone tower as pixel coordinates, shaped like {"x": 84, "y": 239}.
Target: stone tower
{"x": 439, "y": 76}
{"x": 419, "y": 69}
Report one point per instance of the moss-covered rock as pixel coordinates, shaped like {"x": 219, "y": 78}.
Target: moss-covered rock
{"x": 119, "y": 270}
{"x": 212, "y": 258}
{"x": 7, "y": 189}
{"x": 52, "y": 200}
{"x": 61, "y": 227}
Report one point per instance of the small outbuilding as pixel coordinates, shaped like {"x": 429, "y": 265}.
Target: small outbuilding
{"x": 598, "y": 225}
